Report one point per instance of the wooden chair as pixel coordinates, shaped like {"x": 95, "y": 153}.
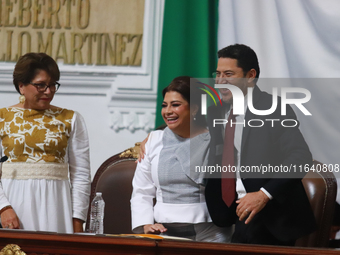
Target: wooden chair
{"x": 321, "y": 189}
{"x": 114, "y": 180}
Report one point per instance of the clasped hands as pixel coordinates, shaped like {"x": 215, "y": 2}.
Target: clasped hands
{"x": 251, "y": 204}
{"x": 156, "y": 228}
{"x": 247, "y": 208}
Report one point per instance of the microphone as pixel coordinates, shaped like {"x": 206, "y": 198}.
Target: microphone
{"x": 3, "y": 159}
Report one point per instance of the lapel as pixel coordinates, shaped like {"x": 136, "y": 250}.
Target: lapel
{"x": 249, "y": 115}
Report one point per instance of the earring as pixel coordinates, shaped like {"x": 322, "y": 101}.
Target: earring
{"x": 22, "y": 99}
{"x": 194, "y": 117}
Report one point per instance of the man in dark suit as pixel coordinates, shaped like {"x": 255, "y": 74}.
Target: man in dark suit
{"x": 270, "y": 208}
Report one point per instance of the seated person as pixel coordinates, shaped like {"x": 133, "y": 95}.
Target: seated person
{"x": 164, "y": 173}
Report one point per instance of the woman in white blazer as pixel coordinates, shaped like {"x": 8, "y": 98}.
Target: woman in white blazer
{"x": 168, "y": 171}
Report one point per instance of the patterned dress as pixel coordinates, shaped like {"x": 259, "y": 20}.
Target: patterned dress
{"x": 46, "y": 178}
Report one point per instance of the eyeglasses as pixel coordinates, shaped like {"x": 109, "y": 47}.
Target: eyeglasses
{"x": 217, "y": 75}
{"x": 42, "y": 87}
{"x": 223, "y": 76}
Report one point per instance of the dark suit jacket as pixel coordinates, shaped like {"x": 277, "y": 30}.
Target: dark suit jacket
{"x": 288, "y": 216}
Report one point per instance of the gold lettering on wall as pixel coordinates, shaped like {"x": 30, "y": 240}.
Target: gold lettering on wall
{"x": 47, "y": 46}
{"x": 9, "y": 47}
{"x": 76, "y": 45}
{"x": 68, "y": 4}
{"x": 20, "y": 42}
{"x": 8, "y": 11}
{"x": 83, "y": 13}
{"x": 82, "y": 32}
{"x": 61, "y": 49}
{"x": 53, "y": 13}
{"x": 24, "y": 10}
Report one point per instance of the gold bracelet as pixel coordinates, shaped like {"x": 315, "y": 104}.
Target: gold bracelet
{"x": 5, "y": 208}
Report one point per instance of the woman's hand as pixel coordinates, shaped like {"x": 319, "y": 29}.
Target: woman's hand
{"x": 154, "y": 228}
{"x": 9, "y": 219}
{"x": 77, "y": 225}
{"x": 142, "y": 149}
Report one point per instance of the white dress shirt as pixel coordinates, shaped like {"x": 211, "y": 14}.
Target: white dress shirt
{"x": 240, "y": 123}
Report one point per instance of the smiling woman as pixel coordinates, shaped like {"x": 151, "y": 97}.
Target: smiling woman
{"x": 47, "y": 149}
{"x": 166, "y": 172}
{"x": 176, "y": 113}
{"x": 181, "y": 107}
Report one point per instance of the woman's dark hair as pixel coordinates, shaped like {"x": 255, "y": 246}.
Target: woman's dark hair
{"x": 190, "y": 90}
{"x": 28, "y": 66}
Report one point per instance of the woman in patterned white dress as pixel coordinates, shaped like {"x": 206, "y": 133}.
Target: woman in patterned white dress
{"x": 45, "y": 183}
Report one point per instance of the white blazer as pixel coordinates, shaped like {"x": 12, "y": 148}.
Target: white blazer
{"x": 146, "y": 186}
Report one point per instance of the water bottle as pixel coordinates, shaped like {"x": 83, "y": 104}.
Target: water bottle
{"x": 97, "y": 214}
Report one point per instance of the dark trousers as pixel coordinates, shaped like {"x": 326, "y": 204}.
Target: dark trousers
{"x": 256, "y": 232}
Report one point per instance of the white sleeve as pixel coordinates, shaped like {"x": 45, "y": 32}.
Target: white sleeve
{"x": 3, "y": 199}
{"x": 267, "y": 193}
{"x": 144, "y": 191}
{"x": 79, "y": 166}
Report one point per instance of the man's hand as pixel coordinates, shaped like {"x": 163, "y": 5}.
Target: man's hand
{"x": 154, "y": 228}
{"x": 142, "y": 149}
{"x": 9, "y": 219}
{"x": 334, "y": 230}
{"x": 250, "y": 205}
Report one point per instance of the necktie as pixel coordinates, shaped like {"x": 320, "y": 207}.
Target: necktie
{"x": 228, "y": 178}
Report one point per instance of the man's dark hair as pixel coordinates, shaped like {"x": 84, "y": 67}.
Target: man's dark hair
{"x": 245, "y": 56}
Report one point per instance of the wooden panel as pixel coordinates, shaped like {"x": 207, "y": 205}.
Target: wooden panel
{"x": 67, "y": 244}
{"x": 40, "y": 243}
{"x": 167, "y": 247}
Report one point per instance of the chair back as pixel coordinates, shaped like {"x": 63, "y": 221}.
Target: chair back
{"x": 321, "y": 189}
{"x": 114, "y": 180}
